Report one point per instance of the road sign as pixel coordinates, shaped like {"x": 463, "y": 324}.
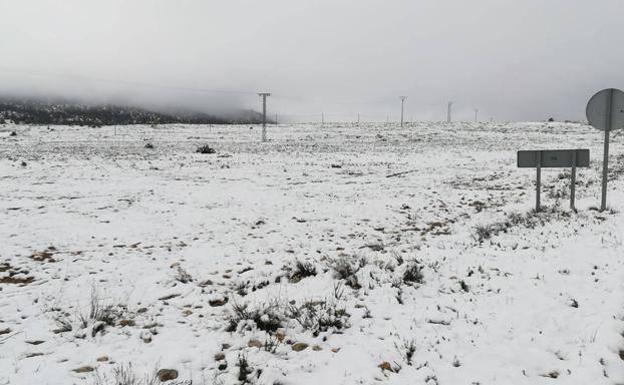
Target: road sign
{"x": 554, "y": 159}
{"x": 605, "y": 111}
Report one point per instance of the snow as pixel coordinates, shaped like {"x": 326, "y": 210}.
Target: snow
{"x": 176, "y": 241}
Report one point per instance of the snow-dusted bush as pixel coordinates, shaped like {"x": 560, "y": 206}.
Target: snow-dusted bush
{"x": 320, "y": 316}
{"x": 347, "y": 268}
{"x": 301, "y": 270}
{"x": 266, "y": 317}
{"x": 205, "y": 149}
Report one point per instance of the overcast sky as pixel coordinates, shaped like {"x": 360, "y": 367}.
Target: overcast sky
{"x": 511, "y": 59}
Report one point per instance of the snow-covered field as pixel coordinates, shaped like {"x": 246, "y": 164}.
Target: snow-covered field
{"x": 299, "y": 261}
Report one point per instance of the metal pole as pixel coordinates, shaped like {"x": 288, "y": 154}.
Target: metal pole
{"x": 605, "y": 160}
{"x": 402, "y": 108}
{"x": 448, "y": 112}
{"x": 573, "y": 182}
{"x": 538, "y": 184}
{"x": 264, "y": 96}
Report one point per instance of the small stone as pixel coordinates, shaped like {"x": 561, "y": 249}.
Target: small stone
{"x": 218, "y": 302}
{"x": 255, "y": 344}
{"x": 168, "y": 297}
{"x": 280, "y": 335}
{"x": 219, "y": 356}
{"x": 127, "y": 322}
{"x": 146, "y": 336}
{"x": 102, "y": 359}
{"x": 83, "y": 369}
{"x": 385, "y": 366}
{"x": 299, "y": 346}
{"x": 317, "y": 348}
{"x": 335, "y": 350}
{"x": 167, "y": 374}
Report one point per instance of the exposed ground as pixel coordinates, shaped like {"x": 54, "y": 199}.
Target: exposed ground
{"x": 333, "y": 255}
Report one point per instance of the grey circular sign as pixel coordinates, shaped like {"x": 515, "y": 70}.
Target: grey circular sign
{"x": 605, "y": 109}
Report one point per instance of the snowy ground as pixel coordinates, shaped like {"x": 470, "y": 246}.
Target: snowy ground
{"x": 299, "y": 261}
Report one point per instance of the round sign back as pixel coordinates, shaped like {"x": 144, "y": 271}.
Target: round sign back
{"x": 605, "y": 109}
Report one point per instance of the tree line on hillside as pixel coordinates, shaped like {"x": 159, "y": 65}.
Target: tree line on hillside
{"x": 66, "y": 113}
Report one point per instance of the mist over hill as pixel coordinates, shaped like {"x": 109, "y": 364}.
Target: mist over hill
{"x": 67, "y": 112}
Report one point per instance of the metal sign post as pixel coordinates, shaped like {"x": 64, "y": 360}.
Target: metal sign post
{"x": 605, "y": 111}
{"x": 538, "y": 182}
{"x": 264, "y": 95}
{"x": 573, "y": 182}
{"x": 554, "y": 159}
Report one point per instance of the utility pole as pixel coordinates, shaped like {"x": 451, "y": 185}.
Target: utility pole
{"x": 264, "y": 95}
{"x": 476, "y": 115}
{"x": 448, "y": 112}
{"x": 402, "y": 107}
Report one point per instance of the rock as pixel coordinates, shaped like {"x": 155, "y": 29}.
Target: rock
{"x": 102, "y": 359}
{"x": 385, "y": 366}
{"x": 299, "y": 346}
{"x": 335, "y": 350}
{"x": 168, "y": 297}
{"x": 219, "y": 356}
{"x": 317, "y": 348}
{"x": 97, "y": 327}
{"x": 83, "y": 369}
{"x": 167, "y": 374}
{"x": 255, "y": 344}
{"x": 280, "y": 336}
{"x": 36, "y": 342}
{"x": 126, "y": 322}
{"x": 146, "y": 336}
{"x": 5, "y": 331}
{"x": 218, "y": 302}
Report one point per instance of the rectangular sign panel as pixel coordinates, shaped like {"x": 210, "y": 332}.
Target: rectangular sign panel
{"x": 553, "y": 158}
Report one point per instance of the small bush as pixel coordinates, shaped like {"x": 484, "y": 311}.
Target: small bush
{"x": 302, "y": 270}
{"x": 347, "y": 268}
{"x": 319, "y": 316}
{"x": 413, "y": 273}
{"x": 244, "y": 369}
{"x": 265, "y": 317}
{"x": 205, "y": 149}
{"x": 125, "y": 375}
